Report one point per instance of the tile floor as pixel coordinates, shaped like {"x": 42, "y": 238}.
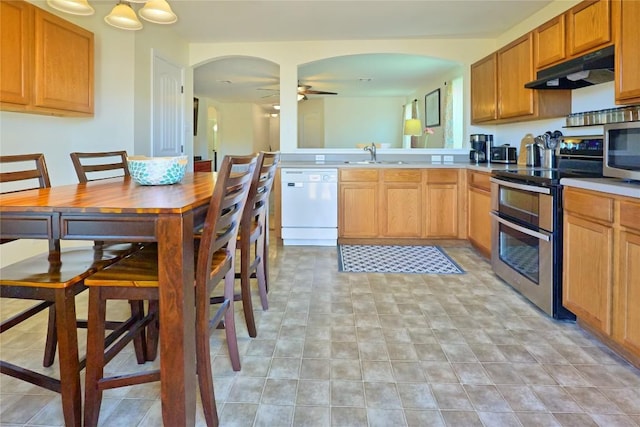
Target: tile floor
{"x": 354, "y": 349}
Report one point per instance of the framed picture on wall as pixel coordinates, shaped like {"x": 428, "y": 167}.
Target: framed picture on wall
{"x": 196, "y": 103}
{"x": 432, "y": 109}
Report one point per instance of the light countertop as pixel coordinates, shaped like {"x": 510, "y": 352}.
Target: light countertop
{"x": 605, "y": 185}
{"x": 482, "y": 167}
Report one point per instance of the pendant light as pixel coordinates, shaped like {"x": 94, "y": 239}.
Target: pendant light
{"x": 74, "y": 7}
{"x": 124, "y": 17}
{"x": 158, "y": 12}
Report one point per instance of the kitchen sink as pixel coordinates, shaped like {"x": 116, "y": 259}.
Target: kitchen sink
{"x": 377, "y": 162}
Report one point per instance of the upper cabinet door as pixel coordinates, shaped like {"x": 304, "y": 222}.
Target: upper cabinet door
{"x": 627, "y": 72}
{"x": 63, "y": 64}
{"x": 484, "y": 93}
{"x": 549, "y": 42}
{"x": 515, "y": 68}
{"x": 589, "y": 25}
{"x": 15, "y": 52}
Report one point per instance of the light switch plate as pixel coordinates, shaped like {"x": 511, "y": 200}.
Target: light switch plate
{"x": 448, "y": 159}
{"x": 436, "y": 159}
{"x": 319, "y": 157}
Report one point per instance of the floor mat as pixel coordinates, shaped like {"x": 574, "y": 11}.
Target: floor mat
{"x": 395, "y": 259}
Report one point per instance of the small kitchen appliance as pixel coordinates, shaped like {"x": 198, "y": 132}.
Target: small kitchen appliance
{"x": 503, "y": 154}
{"x": 622, "y": 150}
{"x": 479, "y": 152}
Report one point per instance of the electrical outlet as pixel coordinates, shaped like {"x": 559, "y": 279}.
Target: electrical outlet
{"x": 319, "y": 157}
{"x": 436, "y": 159}
{"x": 448, "y": 159}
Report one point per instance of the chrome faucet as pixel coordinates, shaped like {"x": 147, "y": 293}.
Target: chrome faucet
{"x": 372, "y": 149}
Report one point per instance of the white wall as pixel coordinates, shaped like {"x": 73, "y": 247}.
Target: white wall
{"x": 351, "y": 121}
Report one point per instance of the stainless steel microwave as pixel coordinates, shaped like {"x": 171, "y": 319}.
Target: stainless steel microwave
{"x": 622, "y": 150}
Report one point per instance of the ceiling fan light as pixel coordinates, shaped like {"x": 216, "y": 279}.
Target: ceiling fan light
{"x": 276, "y": 106}
{"x": 123, "y": 16}
{"x": 301, "y": 97}
{"x": 158, "y": 12}
{"x": 74, "y": 7}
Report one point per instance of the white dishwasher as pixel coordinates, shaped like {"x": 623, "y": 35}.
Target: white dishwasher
{"x": 309, "y": 206}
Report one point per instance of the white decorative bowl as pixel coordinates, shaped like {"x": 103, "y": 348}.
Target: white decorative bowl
{"x": 157, "y": 170}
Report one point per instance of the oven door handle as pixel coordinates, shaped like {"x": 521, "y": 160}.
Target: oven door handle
{"x": 537, "y": 235}
{"x": 523, "y": 187}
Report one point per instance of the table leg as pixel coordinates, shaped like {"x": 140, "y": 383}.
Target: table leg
{"x": 68, "y": 355}
{"x": 177, "y": 319}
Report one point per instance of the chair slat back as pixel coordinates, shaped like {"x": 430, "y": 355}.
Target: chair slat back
{"x": 100, "y": 165}
{"x": 258, "y": 199}
{"x": 22, "y": 170}
{"x": 225, "y": 211}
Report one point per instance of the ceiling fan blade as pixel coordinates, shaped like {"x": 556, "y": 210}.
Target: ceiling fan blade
{"x": 317, "y": 92}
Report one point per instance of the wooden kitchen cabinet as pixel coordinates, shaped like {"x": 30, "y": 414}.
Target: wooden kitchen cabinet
{"x": 588, "y": 257}
{"x": 358, "y": 203}
{"x": 484, "y": 91}
{"x": 601, "y": 277}
{"x": 589, "y": 26}
{"x": 441, "y": 203}
{"x": 479, "y": 205}
{"x": 549, "y": 43}
{"x": 626, "y": 316}
{"x": 397, "y": 203}
{"x": 401, "y": 203}
{"x": 16, "y": 21}
{"x": 515, "y": 68}
{"x": 514, "y": 102}
{"x": 587, "y": 286}
{"x": 627, "y": 38}
{"x": 47, "y": 63}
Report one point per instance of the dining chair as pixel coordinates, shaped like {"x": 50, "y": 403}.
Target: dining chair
{"x": 253, "y": 238}
{"x": 100, "y": 165}
{"x": 136, "y": 277}
{"x": 54, "y": 278}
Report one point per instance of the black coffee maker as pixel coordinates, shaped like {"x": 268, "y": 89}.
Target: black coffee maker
{"x": 480, "y": 145}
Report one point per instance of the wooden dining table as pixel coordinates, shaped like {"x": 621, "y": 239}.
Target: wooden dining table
{"x": 121, "y": 210}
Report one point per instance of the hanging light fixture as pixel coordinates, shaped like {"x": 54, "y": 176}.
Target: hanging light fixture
{"x": 122, "y": 16}
{"x": 158, "y": 12}
{"x": 74, "y": 7}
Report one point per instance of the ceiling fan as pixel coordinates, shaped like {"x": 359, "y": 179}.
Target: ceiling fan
{"x": 303, "y": 91}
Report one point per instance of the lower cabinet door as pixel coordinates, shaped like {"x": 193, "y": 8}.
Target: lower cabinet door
{"x": 588, "y": 259}
{"x": 627, "y": 314}
{"x": 358, "y": 207}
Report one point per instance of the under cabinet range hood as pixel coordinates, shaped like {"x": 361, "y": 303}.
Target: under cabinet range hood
{"x": 590, "y": 69}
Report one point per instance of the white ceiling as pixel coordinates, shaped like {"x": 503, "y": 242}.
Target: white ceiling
{"x": 394, "y": 75}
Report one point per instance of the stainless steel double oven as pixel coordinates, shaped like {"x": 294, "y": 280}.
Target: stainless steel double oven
{"x": 526, "y": 241}
{"x": 526, "y": 227}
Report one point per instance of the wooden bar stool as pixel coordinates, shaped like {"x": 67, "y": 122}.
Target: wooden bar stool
{"x": 54, "y": 279}
{"x": 136, "y": 277}
{"x": 253, "y": 239}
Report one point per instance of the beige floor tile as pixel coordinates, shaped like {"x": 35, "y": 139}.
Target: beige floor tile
{"x": 351, "y": 349}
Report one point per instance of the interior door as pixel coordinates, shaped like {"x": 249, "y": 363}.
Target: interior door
{"x": 167, "y": 115}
